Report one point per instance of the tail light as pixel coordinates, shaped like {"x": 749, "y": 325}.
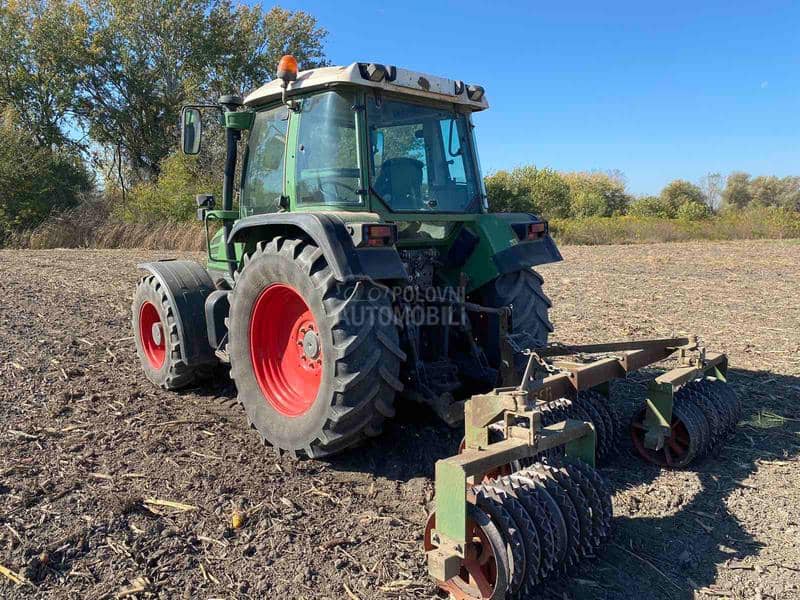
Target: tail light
{"x": 536, "y": 230}
{"x": 530, "y": 231}
{"x": 378, "y": 236}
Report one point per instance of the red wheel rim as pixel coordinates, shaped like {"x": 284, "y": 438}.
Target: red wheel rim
{"x": 478, "y": 575}
{"x": 676, "y": 447}
{"x": 151, "y": 335}
{"x": 285, "y": 350}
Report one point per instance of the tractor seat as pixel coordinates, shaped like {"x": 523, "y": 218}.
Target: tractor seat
{"x": 400, "y": 182}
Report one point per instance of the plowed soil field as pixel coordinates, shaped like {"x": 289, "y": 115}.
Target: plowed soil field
{"x": 91, "y": 454}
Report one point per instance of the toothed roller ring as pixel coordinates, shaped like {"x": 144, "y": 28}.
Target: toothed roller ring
{"x": 489, "y": 501}
{"x": 544, "y": 531}
{"x": 558, "y": 525}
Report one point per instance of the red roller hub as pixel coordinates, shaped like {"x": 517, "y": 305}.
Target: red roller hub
{"x": 285, "y": 350}
{"x": 151, "y": 335}
{"x": 680, "y": 446}
{"x": 478, "y": 579}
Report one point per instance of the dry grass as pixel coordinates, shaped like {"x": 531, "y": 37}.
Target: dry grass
{"x": 757, "y": 223}
{"x": 93, "y": 225}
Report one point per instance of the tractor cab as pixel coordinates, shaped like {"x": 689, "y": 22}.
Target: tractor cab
{"x": 370, "y": 143}
{"x": 363, "y": 138}
{"x": 362, "y": 222}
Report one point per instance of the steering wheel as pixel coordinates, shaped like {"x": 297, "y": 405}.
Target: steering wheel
{"x": 337, "y": 185}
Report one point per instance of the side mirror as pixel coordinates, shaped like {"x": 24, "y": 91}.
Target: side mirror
{"x": 191, "y": 130}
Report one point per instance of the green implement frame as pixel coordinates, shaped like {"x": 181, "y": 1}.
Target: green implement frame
{"x": 591, "y": 366}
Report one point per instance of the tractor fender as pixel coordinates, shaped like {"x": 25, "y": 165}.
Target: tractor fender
{"x": 187, "y": 284}
{"x": 330, "y": 233}
{"x": 526, "y": 255}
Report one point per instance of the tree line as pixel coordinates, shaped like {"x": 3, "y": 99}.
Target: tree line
{"x": 576, "y": 195}
{"x": 90, "y": 94}
{"x": 90, "y": 90}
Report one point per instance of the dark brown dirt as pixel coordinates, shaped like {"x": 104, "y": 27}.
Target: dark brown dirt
{"x": 86, "y": 442}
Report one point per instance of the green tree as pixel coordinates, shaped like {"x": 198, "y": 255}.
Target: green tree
{"x": 171, "y": 196}
{"x": 597, "y": 194}
{"x": 692, "y": 211}
{"x": 145, "y": 58}
{"x": 679, "y": 192}
{"x": 737, "y": 192}
{"x": 39, "y": 43}
{"x": 649, "y": 206}
{"x": 790, "y": 193}
{"x": 34, "y": 179}
{"x": 586, "y": 203}
{"x": 766, "y": 190}
{"x": 529, "y": 189}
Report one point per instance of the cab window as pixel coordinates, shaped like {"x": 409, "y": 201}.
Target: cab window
{"x": 326, "y": 164}
{"x": 263, "y": 180}
{"x": 420, "y": 157}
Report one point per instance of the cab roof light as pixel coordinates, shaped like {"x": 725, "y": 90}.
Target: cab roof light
{"x": 475, "y": 92}
{"x": 287, "y": 69}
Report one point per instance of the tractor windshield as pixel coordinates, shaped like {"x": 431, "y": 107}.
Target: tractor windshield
{"x": 421, "y": 158}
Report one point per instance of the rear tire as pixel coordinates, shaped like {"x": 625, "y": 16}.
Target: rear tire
{"x": 315, "y": 361}
{"x": 158, "y": 343}
{"x": 522, "y": 291}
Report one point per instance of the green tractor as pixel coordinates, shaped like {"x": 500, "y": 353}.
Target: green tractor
{"x": 362, "y": 265}
{"x": 363, "y": 268}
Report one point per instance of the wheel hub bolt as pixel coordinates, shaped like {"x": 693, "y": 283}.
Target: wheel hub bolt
{"x": 155, "y": 331}
{"x": 311, "y": 344}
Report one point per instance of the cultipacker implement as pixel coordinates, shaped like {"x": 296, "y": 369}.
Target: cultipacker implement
{"x": 355, "y": 264}
{"x": 522, "y": 501}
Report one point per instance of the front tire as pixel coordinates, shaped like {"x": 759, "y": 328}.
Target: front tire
{"x": 158, "y": 342}
{"x": 315, "y": 361}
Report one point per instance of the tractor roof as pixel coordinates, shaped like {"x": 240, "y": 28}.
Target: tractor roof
{"x": 387, "y": 78}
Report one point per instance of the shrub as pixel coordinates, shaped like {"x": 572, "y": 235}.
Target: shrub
{"x": 692, "y": 211}
{"x": 753, "y": 223}
{"x": 649, "y": 206}
{"x": 35, "y": 180}
{"x": 529, "y": 189}
{"x": 589, "y": 204}
{"x": 596, "y": 194}
{"x": 171, "y": 197}
{"x": 679, "y": 192}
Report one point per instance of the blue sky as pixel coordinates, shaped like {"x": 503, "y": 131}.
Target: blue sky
{"x": 657, "y": 90}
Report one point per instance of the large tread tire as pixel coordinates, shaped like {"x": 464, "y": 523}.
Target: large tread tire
{"x": 530, "y": 322}
{"x": 173, "y": 373}
{"x": 522, "y": 290}
{"x": 361, "y": 355}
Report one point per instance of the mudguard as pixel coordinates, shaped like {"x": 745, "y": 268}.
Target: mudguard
{"x": 187, "y": 285}
{"x": 329, "y": 232}
{"x": 503, "y": 248}
{"x": 527, "y": 254}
